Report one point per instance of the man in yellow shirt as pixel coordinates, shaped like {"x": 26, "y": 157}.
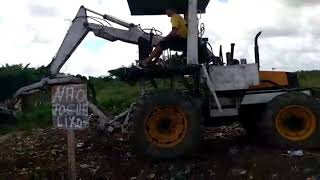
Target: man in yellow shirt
{"x": 176, "y": 39}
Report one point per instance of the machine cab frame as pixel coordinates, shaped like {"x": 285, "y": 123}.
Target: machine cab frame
{"x": 188, "y": 7}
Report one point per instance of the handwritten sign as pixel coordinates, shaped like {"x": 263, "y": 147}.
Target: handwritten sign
{"x": 70, "y": 106}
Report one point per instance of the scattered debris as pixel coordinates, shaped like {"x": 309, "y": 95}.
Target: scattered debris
{"x": 297, "y": 153}
{"x": 233, "y": 150}
{"x": 237, "y": 172}
{"x": 42, "y": 154}
{"x": 84, "y": 166}
{"x": 152, "y": 176}
{"x": 80, "y": 144}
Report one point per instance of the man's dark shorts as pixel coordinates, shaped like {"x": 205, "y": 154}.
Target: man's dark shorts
{"x": 174, "y": 43}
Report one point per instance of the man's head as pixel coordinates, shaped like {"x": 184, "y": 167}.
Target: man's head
{"x": 170, "y": 12}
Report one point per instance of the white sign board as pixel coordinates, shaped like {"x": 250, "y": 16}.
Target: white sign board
{"x": 70, "y": 106}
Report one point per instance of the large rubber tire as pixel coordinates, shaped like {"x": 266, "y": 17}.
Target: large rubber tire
{"x": 292, "y": 120}
{"x": 151, "y": 105}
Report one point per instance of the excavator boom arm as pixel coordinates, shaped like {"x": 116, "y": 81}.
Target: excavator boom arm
{"x": 78, "y": 30}
{"x": 76, "y": 33}
{"x": 81, "y": 27}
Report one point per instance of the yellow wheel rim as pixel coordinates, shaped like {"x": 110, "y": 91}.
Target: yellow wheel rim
{"x": 295, "y": 123}
{"x": 166, "y": 126}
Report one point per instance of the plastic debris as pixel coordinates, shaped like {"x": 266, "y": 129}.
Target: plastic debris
{"x": 84, "y": 166}
{"x": 152, "y": 176}
{"x": 297, "y": 153}
{"x": 80, "y": 144}
{"x": 233, "y": 150}
{"x": 239, "y": 172}
{"x": 110, "y": 129}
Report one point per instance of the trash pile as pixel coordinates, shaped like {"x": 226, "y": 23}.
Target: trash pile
{"x": 224, "y": 154}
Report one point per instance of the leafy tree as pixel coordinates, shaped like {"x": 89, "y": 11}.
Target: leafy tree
{"x": 13, "y": 77}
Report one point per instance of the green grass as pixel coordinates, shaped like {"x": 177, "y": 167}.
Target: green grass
{"x": 39, "y": 117}
{"x": 309, "y": 79}
{"x": 4, "y": 129}
{"x": 115, "y": 96}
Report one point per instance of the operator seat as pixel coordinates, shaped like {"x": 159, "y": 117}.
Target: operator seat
{"x": 203, "y": 51}
{"x": 145, "y": 48}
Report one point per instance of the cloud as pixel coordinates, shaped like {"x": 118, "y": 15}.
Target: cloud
{"x": 301, "y": 3}
{"x": 38, "y": 38}
{"x": 279, "y": 31}
{"x": 289, "y": 38}
{"x": 38, "y": 10}
{"x": 33, "y": 32}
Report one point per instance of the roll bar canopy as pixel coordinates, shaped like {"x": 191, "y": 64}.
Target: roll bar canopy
{"x": 158, "y": 7}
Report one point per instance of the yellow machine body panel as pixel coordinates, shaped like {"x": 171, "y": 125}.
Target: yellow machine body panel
{"x": 269, "y": 79}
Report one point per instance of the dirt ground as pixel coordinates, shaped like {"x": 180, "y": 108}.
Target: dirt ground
{"x": 225, "y": 154}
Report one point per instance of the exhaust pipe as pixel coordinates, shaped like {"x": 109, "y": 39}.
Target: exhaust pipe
{"x": 221, "y": 54}
{"x": 230, "y": 55}
{"x": 232, "y": 51}
{"x": 256, "y": 49}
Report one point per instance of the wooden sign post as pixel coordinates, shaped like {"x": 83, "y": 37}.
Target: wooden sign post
{"x": 70, "y": 111}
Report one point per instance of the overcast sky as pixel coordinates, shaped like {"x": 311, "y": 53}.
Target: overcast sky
{"x": 31, "y": 31}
